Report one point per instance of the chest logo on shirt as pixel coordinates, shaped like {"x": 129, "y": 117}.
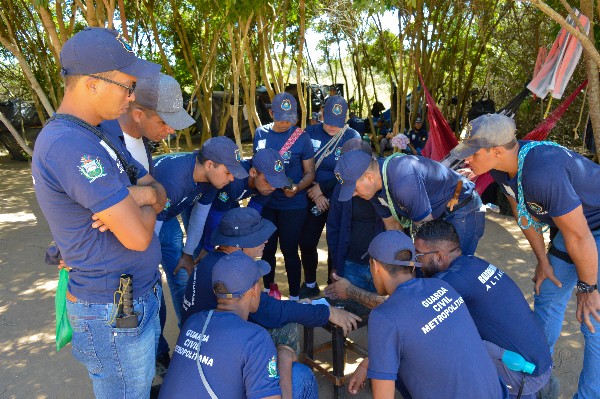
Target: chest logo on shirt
{"x": 272, "y": 368}
{"x": 278, "y": 166}
{"x": 286, "y": 155}
{"x": 537, "y": 208}
{"x": 167, "y": 204}
{"x": 92, "y": 169}
{"x": 286, "y": 105}
{"x": 223, "y": 196}
{"x": 338, "y": 152}
{"x": 238, "y": 155}
{"x": 337, "y": 109}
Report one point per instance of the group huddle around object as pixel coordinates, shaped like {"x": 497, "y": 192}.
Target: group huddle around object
{"x": 444, "y": 323}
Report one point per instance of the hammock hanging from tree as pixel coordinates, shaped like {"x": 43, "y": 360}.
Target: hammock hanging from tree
{"x": 442, "y": 139}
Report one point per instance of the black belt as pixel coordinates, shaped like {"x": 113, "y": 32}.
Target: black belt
{"x": 461, "y": 204}
{"x": 562, "y": 255}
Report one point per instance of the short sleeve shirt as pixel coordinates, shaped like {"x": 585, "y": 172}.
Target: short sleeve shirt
{"x": 499, "y": 310}
{"x": 575, "y": 180}
{"x": 419, "y": 186}
{"x": 229, "y": 196}
{"x": 424, "y": 336}
{"x": 176, "y": 173}
{"x": 301, "y": 150}
{"x": 238, "y": 359}
{"x": 76, "y": 175}
{"x": 319, "y": 139}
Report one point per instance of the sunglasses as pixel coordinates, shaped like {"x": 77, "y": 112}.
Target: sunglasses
{"x": 130, "y": 89}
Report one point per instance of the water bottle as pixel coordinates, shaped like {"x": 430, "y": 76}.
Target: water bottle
{"x": 493, "y": 207}
{"x": 274, "y": 291}
{"x": 316, "y": 211}
{"x": 515, "y": 362}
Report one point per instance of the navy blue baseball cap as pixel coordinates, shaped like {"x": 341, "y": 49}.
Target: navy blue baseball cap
{"x": 335, "y": 111}
{"x": 349, "y": 168}
{"x": 385, "y": 246}
{"x": 238, "y": 273}
{"x": 243, "y": 228}
{"x": 269, "y": 162}
{"x": 285, "y": 108}
{"x": 223, "y": 150}
{"x": 357, "y": 143}
{"x": 97, "y": 50}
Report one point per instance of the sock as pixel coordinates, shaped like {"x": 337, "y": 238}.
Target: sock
{"x": 294, "y": 298}
{"x": 311, "y": 285}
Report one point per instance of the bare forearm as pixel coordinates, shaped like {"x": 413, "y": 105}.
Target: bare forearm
{"x": 285, "y": 359}
{"x": 306, "y": 181}
{"x": 584, "y": 254}
{"x": 366, "y": 298}
{"x": 143, "y": 195}
{"x": 148, "y": 218}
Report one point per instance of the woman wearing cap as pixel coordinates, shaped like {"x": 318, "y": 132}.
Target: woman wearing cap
{"x": 327, "y": 140}
{"x": 287, "y": 208}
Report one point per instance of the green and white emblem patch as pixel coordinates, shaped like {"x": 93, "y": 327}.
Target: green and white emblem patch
{"x": 92, "y": 169}
{"x": 273, "y": 368}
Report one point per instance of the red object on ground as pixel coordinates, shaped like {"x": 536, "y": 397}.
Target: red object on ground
{"x": 274, "y": 291}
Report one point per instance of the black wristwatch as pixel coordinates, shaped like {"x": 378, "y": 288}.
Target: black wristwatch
{"x": 585, "y": 287}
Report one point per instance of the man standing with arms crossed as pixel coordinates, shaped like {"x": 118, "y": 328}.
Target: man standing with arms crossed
{"x": 81, "y": 184}
{"x": 547, "y": 184}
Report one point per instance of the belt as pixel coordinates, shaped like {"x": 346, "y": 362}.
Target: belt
{"x": 461, "y": 204}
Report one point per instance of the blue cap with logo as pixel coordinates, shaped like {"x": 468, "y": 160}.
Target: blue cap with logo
{"x": 97, "y": 50}
{"x": 269, "y": 162}
{"x": 237, "y": 272}
{"x": 242, "y": 228}
{"x": 335, "y": 111}
{"x": 223, "y": 150}
{"x": 385, "y": 246}
{"x": 349, "y": 168}
{"x": 285, "y": 108}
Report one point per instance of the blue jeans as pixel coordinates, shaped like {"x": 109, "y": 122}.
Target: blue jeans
{"x": 171, "y": 245}
{"x": 469, "y": 222}
{"x": 550, "y": 308}
{"x": 304, "y": 384}
{"x": 120, "y": 361}
{"x": 359, "y": 275}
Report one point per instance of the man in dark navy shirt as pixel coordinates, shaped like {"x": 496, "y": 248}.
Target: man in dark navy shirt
{"x": 78, "y": 180}
{"x": 418, "y": 136}
{"x": 547, "y": 184}
{"x": 499, "y": 310}
{"x": 416, "y": 188}
{"x": 422, "y": 340}
{"x": 189, "y": 178}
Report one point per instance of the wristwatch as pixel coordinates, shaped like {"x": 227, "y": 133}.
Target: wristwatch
{"x": 585, "y": 287}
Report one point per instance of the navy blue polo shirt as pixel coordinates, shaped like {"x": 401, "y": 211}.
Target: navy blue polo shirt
{"x": 423, "y": 337}
{"x": 319, "y": 138}
{"x": 176, "y": 173}
{"x": 419, "y": 186}
{"x": 357, "y": 124}
{"x": 555, "y": 182}
{"x": 75, "y": 176}
{"x": 238, "y": 359}
{"x": 271, "y": 313}
{"x": 302, "y": 150}
{"x": 499, "y": 310}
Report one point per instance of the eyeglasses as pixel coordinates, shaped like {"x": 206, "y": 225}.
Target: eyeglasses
{"x": 419, "y": 255}
{"x": 130, "y": 89}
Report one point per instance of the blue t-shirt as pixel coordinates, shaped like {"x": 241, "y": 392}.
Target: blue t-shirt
{"x": 419, "y": 186}
{"x": 357, "y": 124}
{"x": 176, "y": 173}
{"x": 499, "y": 310}
{"x": 75, "y": 176}
{"x": 271, "y": 313}
{"x": 424, "y": 337}
{"x": 556, "y": 181}
{"x": 238, "y": 359}
{"x": 319, "y": 138}
{"x": 301, "y": 150}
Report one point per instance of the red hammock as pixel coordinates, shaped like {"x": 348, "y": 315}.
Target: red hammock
{"x": 442, "y": 139}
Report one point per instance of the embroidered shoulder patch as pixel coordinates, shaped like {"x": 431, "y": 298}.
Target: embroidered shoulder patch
{"x": 92, "y": 169}
{"x": 272, "y": 368}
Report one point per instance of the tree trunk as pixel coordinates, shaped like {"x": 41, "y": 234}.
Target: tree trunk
{"x": 299, "y": 61}
{"x": 593, "y": 87}
{"x": 16, "y": 135}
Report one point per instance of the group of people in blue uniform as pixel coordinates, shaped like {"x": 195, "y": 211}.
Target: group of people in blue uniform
{"x": 444, "y": 322}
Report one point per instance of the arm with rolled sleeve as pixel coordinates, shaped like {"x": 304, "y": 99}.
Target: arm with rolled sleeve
{"x": 274, "y": 313}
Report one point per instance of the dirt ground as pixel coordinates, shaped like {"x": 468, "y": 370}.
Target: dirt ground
{"x": 31, "y": 367}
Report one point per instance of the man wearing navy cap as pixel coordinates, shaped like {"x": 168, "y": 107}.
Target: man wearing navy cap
{"x": 287, "y": 207}
{"x": 191, "y": 178}
{"x": 383, "y": 135}
{"x": 327, "y": 140}
{"x": 422, "y": 340}
{"x": 266, "y": 173}
{"x": 78, "y": 180}
{"x": 416, "y": 188}
{"x": 418, "y": 136}
{"x": 219, "y": 353}
{"x": 547, "y": 184}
